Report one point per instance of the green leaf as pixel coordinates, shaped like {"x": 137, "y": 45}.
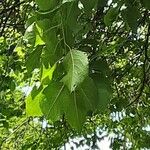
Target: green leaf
{"x": 33, "y": 35}
{"x": 33, "y": 102}
{"x": 47, "y": 73}
{"x": 100, "y": 74}
{"x": 38, "y": 40}
{"x": 89, "y": 5}
{"x": 100, "y": 66}
{"x": 76, "y": 66}
{"x": 104, "y": 90}
{"x": 111, "y": 16}
{"x": 30, "y": 35}
{"x": 74, "y": 105}
{"x": 87, "y": 92}
{"x": 46, "y": 4}
{"x": 53, "y": 45}
{"x": 70, "y": 14}
{"x": 75, "y": 112}
{"x": 131, "y": 16}
{"x": 101, "y": 3}
{"x": 52, "y": 106}
{"x": 146, "y": 3}
{"x": 84, "y": 99}
{"x": 33, "y": 61}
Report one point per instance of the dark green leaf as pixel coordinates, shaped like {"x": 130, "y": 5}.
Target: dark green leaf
{"x": 33, "y": 61}
{"x": 131, "y": 16}
{"x": 104, "y": 90}
{"x": 89, "y": 5}
{"x": 111, "y": 16}
{"x": 146, "y": 3}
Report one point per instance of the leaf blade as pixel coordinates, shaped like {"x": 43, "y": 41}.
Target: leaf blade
{"x": 76, "y": 66}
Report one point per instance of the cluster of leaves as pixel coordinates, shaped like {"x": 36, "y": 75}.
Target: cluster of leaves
{"x": 75, "y": 55}
{"x": 71, "y": 82}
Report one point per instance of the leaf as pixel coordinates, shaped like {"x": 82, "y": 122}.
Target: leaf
{"x": 33, "y": 102}
{"x": 100, "y": 73}
{"x": 38, "y": 40}
{"x": 55, "y": 94}
{"x": 146, "y": 3}
{"x": 75, "y": 112}
{"x": 33, "y": 35}
{"x": 60, "y": 101}
{"x": 76, "y": 66}
{"x": 100, "y": 66}
{"x": 111, "y": 16}
{"x": 89, "y": 5}
{"x": 84, "y": 99}
{"x": 33, "y": 61}
{"x": 47, "y": 73}
{"x": 70, "y": 14}
{"x": 30, "y": 35}
{"x": 87, "y": 91}
{"x": 69, "y": 36}
{"x": 101, "y": 3}
{"x": 46, "y": 4}
{"x": 104, "y": 90}
{"x": 131, "y": 16}
{"x": 53, "y": 45}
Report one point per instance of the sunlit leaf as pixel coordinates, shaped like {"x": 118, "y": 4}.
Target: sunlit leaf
{"x": 76, "y": 66}
{"x": 33, "y": 102}
{"x": 46, "y": 4}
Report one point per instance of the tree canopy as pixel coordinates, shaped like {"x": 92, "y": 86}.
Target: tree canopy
{"x": 74, "y": 69}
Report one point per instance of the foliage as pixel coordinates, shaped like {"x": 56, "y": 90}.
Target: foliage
{"x": 86, "y": 65}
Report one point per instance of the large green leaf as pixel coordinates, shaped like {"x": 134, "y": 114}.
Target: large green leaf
{"x": 33, "y": 35}
{"x": 76, "y": 66}
{"x": 87, "y": 91}
{"x": 39, "y": 33}
{"x": 33, "y": 102}
{"x": 74, "y": 105}
{"x": 101, "y": 3}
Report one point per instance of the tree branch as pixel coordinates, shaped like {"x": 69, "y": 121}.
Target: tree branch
{"x": 145, "y": 48}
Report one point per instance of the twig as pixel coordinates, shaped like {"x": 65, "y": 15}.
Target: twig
{"x": 145, "y": 48}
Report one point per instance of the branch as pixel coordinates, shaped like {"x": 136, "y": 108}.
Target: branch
{"x": 145, "y": 48}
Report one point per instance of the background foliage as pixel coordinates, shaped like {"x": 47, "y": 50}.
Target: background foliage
{"x": 87, "y": 65}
